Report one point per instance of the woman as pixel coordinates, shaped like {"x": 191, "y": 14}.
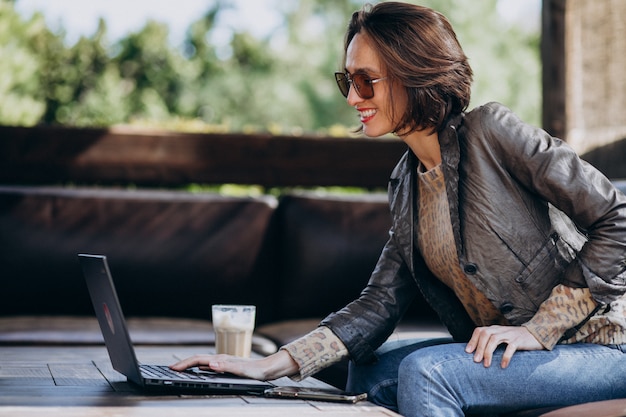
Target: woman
{"x": 483, "y": 210}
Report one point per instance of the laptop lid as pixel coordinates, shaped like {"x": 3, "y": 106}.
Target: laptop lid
{"x": 110, "y": 317}
{"x": 119, "y": 344}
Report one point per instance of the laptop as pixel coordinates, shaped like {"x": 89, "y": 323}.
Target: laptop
{"x": 122, "y": 353}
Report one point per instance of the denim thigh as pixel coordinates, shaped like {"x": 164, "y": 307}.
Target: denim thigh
{"x": 380, "y": 379}
{"x": 569, "y": 374}
{"x": 445, "y": 380}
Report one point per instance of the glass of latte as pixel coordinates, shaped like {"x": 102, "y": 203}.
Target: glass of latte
{"x": 233, "y": 326}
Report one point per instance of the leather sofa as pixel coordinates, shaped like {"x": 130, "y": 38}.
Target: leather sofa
{"x": 297, "y": 257}
{"x": 173, "y": 254}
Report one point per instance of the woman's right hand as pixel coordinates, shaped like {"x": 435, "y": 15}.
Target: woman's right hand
{"x": 270, "y": 367}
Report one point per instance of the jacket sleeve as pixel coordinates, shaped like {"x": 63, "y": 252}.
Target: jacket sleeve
{"x": 364, "y": 324}
{"x": 550, "y": 168}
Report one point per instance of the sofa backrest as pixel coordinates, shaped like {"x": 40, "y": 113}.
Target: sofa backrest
{"x": 171, "y": 253}
{"x": 329, "y": 246}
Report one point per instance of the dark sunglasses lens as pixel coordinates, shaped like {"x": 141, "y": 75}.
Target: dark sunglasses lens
{"x": 363, "y": 85}
{"x": 342, "y": 83}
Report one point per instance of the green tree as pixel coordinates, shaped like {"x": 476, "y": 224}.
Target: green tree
{"x": 90, "y": 90}
{"x": 155, "y": 70}
{"x": 281, "y": 83}
{"x": 505, "y": 58}
{"x": 21, "y": 103}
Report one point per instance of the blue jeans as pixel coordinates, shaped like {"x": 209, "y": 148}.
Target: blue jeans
{"x": 437, "y": 378}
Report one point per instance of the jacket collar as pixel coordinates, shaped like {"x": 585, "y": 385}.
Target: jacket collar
{"x": 404, "y": 193}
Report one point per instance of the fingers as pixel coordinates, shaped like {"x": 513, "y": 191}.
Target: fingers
{"x": 471, "y": 345}
{"x": 508, "y": 355}
{"x": 485, "y": 341}
{"x": 483, "y": 345}
{"x": 197, "y": 360}
{"x": 217, "y": 363}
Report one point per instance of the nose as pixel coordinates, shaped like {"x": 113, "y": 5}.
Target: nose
{"x": 353, "y": 98}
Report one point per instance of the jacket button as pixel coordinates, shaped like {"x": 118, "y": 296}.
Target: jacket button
{"x": 470, "y": 269}
{"x": 506, "y": 308}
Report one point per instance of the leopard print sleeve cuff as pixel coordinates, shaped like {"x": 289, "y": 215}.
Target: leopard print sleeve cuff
{"x": 564, "y": 309}
{"x": 315, "y": 351}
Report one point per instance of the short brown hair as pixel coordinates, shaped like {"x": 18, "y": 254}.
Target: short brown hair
{"x": 418, "y": 49}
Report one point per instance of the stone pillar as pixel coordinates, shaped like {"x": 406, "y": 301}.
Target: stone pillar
{"x": 595, "y": 73}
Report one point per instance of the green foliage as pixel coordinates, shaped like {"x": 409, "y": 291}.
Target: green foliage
{"x": 282, "y": 83}
{"x": 19, "y": 66}
{"x": 505, "y": 59}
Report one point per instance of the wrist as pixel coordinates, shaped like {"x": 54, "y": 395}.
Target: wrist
{"x": 279, "y": 364}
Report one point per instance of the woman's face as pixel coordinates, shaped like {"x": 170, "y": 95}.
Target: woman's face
{"x": 375, "y": 113}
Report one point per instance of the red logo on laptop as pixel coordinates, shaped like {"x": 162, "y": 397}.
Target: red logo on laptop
{"x": 107, "y": 314}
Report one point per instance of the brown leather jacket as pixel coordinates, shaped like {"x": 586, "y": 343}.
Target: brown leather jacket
{"x": 504, "y": 179}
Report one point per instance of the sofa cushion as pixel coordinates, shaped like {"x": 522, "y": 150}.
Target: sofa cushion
{"x": 608, "y": 408}
{"x": 79, "y": 330}
{"x": 172, "y": 254}
{"x": 329, "y": 246}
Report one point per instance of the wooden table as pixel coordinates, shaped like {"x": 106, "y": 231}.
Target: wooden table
{"x": 78, "y": 381}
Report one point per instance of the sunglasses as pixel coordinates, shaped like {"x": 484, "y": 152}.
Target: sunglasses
{"x": 363, "y": 84}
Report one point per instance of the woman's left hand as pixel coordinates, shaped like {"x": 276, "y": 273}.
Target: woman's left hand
{"x": 485, "y": 340}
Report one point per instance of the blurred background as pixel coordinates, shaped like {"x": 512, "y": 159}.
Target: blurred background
{"x": 228, "y": 65}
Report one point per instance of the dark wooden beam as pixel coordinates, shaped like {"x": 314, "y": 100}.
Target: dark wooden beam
{"x": 553, "y": 64}
{"x": 49, "y": 155}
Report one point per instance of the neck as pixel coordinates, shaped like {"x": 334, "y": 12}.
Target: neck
{"x": 425, "y": 146}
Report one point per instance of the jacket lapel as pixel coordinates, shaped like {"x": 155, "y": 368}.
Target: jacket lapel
{"x": 403, "y": 210}
{"x": 451, "y": 157}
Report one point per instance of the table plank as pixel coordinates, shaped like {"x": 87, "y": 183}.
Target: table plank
{"x": 74, "y": 374}
{"x": 274, "y": 411}
{"x": 25, "y": 374}
{"x": 80, "y": 381}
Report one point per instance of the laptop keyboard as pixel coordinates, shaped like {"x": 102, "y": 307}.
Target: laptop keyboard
{"x": 160, "y": 371}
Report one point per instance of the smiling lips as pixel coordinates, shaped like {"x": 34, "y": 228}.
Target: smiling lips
{"x": 366, "y": 114}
